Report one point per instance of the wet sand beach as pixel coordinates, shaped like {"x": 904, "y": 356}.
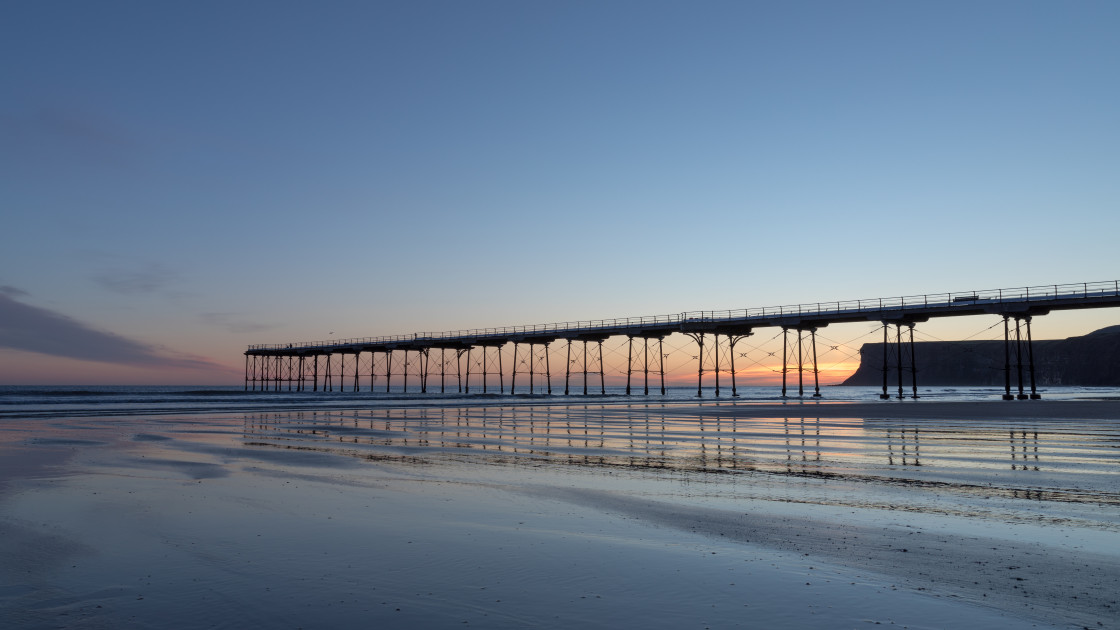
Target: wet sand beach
{"x": 920, "y": 514}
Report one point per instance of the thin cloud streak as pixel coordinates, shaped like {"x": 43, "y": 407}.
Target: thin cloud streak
{"x": 232, "y": 323}
{"x": 33, "y": 329}
{"x": 145, "y": 281}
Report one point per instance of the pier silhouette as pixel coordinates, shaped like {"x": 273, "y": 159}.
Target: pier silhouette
{"x": 313, "y": 365}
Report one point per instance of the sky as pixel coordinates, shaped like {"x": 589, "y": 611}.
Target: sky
{"x": 181, "y": 180}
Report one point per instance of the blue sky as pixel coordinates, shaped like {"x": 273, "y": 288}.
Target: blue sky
{"x": 190, "y": 178}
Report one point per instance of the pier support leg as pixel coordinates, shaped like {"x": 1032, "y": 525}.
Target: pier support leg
{"x": 816, "y": 371}
{"x": 1019, "y": 359}
{"x": 700, "y": 368}
{"x": 532, "y": 362}
{"x": 629, "y": 362}
{"x": 568, "y": 368}
{"x": 547, "y": 370}
{"x": 913, "y": 364}
{"x": 484, "y": 369}
{"x": 886, "y": 370}
{"x": 699, "y": 339}
{"x": 715, "y": 351}
{"x": 356, "y": 363}
{"x": 584, "y": 367}
{"x": 785, "y": 359}
{"x": 459, "y": 368}
{"x": 328, "y": 384}
{"x": 602, "y": 372}
{"x": 388, "y": 369}
{"x": 645, "y": 365}
{"x": 898, "y": 348}
{"x": 467, "y": 384}
{"x": 661, "y": 353}
{"x": 800, "y": 365}
{"x": 1006, "y": 360}
{"x": 442, "y": 369}
{"x": 1030, "y": 358}
{"x": 315, "y": 377}
{"x": 302, "y": 374}
{"x": 513, "y": 377}
{"x": 501, "y": 373}
{"x": 732, "y": 340}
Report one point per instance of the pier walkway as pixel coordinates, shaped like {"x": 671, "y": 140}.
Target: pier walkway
{"x": 298, "y": 365}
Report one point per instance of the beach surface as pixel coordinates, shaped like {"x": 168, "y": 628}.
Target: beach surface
{"x": 827, "y": 515}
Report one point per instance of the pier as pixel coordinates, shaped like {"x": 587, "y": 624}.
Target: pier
{"x": 311, "y": 366}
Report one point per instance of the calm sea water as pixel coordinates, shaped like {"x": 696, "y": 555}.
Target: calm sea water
{"x": 100, "y": 400}
{"x": 59, "y": 401}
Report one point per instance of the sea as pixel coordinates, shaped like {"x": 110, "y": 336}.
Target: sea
{"x": 85, "y": 400}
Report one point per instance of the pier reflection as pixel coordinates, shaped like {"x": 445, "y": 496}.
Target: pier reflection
{"x": 903, "y": 448}
{"x": 1024, "y": 450}
{"x": 808, "y": 445}
{"x": 578, "y": 434}
{"x": 1047, "y": 454}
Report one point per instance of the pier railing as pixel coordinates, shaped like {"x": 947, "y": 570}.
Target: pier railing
{"x": 941, "y": 303}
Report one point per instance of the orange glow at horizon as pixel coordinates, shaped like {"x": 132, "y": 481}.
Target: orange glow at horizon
{"x": 767, "y": 374}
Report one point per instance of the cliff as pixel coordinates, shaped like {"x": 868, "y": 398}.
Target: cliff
{"x": 1092, "y": 359}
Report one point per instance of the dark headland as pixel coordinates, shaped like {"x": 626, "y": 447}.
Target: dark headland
{"x": 1088, "y": 360}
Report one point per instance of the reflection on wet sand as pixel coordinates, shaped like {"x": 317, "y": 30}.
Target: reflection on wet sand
{"x": 897, "y": 445}
{"x": 1022, "y": 453}
{"x": 1055, "y": 459}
